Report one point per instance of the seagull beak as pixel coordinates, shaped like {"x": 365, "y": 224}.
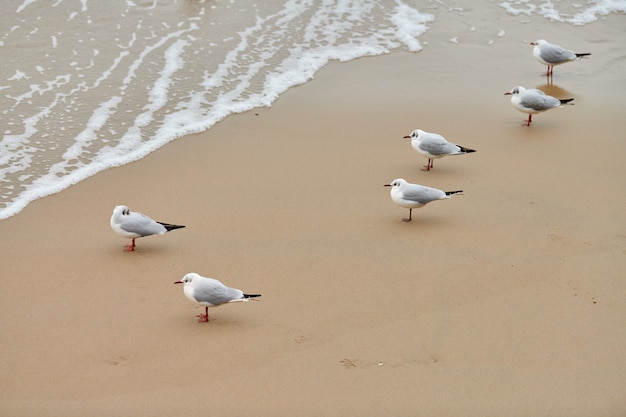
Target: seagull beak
{"x": 178, "y": 282}
{"x": 507, "y": 94}
{"x": 533, "y": 43}
{"x": 407, "y": 137}
{"x": 387, "y": 185}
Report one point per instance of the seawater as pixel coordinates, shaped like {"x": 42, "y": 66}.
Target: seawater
{"x": 89, "y": 85}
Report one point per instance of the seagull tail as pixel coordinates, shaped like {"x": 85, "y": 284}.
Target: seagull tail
{"x": 245, "y": 297}
{"x": 466, "y": 150}
{"x": 169, "y": 227}
{"x": 449, "y": 193}
{"x": 567, "y": 101}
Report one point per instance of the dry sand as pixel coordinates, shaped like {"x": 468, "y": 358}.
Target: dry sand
{"x": 506, "y": 301}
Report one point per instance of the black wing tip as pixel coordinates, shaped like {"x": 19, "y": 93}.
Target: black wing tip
{"x": 251, "y": 295}
{"x": 580, "y": 55}
{"x": 567, "y": 100}
{"x": 467, "y": 150}
{"x": 453, "y": 192}
{"x": 169, "y": 227}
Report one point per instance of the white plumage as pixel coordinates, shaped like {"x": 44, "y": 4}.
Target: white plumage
{"x": 209, "y": 292}
{"x": 412, "y": 196}
{"x": 434, "y": 146}
{"x": 133, "y": 225}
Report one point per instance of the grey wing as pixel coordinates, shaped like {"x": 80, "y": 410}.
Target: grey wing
{"x": 216, "y": 293}
{"x": 141, "y": 225}
{"x": 422, "y": 195}
{"x": 437, "y": 145}
{"x": 538, "y": 100}
{"x": 554, "y": 54}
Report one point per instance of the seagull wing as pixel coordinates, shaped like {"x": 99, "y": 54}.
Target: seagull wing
{"x": 437, "y": 145}
{"x": 538, "y": 100}
{"x": 422, "y": 195}
{"x": 554, "y": 54}
{"x": 213, "y": 292}
{"x": 140, "y": 225}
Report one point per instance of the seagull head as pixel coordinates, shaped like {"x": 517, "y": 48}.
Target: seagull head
{"x": 187, "y": 279}
{"x": 121, "y": 211}
{"x": 414, "y": 134}
{"x": 515, "y": 90}
{"x": 397, "y": 183}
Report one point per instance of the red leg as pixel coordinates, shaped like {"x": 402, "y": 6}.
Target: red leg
{"x": 428, "y": 166}
{"x": 550, "y": 69}
{"x": 204, "y": 318}
{"x": 131, "y": 247}
{"x": 530, "y": 119}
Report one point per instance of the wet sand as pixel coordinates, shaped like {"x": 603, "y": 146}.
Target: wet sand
{"x": 507, "y": 300}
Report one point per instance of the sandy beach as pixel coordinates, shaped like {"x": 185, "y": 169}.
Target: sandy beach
{"x": 505, "y": 301}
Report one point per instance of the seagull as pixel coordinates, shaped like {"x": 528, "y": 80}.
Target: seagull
{"x": 412, "y": 196}
{"x": 210, "y": 292}
{"x": 533, "y": 101}
{"x": 550, "y": 54}
{"x": 133, "y": 225}
{"x": 433, "y": 145}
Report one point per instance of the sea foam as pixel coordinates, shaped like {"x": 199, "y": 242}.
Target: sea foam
{"x": 108, "y": 94}
{"x": 572, "y": 13}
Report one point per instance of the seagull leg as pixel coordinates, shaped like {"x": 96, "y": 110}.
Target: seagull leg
{"x": 131, "y": 247}
{"x": 530, "y": 119}
{"x": 410, "y": 215}
{"x": 204, "y": 318}
{"x": 428, "y": 166}
{"x": 550, "y": 69}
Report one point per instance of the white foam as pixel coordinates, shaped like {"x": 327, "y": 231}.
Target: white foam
{"x": 23, "y": 5}
{"x": 565, "y": 13}
{"x": 19, "y": 75}
{"x": 410, "y": 25}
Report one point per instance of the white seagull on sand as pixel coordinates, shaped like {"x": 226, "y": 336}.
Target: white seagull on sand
{"x": 550, "y": 54}
{"x": 412, "y": 196}
{"x": 433, "y": 146}
{"x": 133, "y": 225}
{"x": 533, "y": 101}
{"x": 210, "y": 292}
